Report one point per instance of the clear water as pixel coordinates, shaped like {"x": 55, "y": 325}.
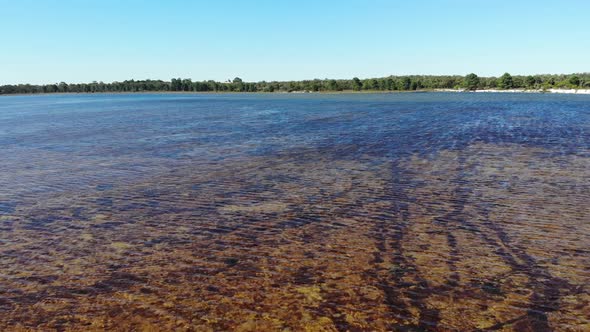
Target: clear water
{"x": 417, "y": 211}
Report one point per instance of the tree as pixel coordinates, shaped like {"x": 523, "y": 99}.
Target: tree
{"x": 333, "y": 85}
{"x": 374, "y": 84}
{"x": 356, "y": 84}
{"x": 176, "y": 84}
{"x": 389, "y": 84}
{"x": 406, "y": 83}
{"x": 471, "y": 82}
{"x": 574, "y": 80}
{"x": 518, "y": 82}
{"x": 492, "y": 83}
{"x": 368, "y": 84}
{"x": 506, "y": 81}
{"x": 212, "y": 85}
{"x": 62, "y": 87}
{"x": 530, "y": 82}
{"x": 186, "y": 84}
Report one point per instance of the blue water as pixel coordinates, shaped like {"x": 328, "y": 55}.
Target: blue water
{"x": 180, "y": 126}
{"x": 150, "y": 127}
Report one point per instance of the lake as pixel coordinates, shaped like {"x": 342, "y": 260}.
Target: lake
{"x": 254, "y": 212}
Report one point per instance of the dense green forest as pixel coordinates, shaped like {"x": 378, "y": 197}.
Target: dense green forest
{"x": 390, "y": 83}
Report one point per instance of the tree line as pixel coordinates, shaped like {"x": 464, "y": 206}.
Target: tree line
{"x": 390, "y": 83}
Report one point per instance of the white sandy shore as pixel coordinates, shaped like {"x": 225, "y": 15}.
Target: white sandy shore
{"x": 568, "y": 91}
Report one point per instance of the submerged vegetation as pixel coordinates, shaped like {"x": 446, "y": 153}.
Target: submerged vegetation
{"x": 390, "y": 83}
{"x": 408, "y": 212}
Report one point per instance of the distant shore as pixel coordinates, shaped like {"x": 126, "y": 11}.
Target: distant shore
{"x": 558, "y": 91}
{"x": 552, "y": 83}
{"x": 565, "y": 91}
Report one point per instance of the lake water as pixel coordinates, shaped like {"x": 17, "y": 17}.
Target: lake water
{"x": 412, "y": 212}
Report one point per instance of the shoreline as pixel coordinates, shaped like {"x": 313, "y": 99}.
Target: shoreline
{"x": 561, "y": 91}
{"x": 556, "y": 91}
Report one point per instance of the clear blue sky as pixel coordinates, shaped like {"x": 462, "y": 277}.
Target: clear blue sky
{"x": 107, "y": 40}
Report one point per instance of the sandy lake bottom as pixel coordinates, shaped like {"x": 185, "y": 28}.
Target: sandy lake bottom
{"x": 406, "y": 212}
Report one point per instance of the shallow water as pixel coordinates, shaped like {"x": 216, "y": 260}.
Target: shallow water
{"x": 412, "y": 212}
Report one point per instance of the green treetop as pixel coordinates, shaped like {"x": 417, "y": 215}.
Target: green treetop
{"x": 506, "y": 81}
{"x": 471, "y": 82}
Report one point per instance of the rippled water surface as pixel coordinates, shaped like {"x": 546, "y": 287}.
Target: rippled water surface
{"x": 403, "y": 212}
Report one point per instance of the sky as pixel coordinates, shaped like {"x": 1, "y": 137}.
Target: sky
{"x": 113, "y": 40}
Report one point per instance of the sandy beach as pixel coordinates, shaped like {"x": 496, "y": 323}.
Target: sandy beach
{"x": 566, "y": 91}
